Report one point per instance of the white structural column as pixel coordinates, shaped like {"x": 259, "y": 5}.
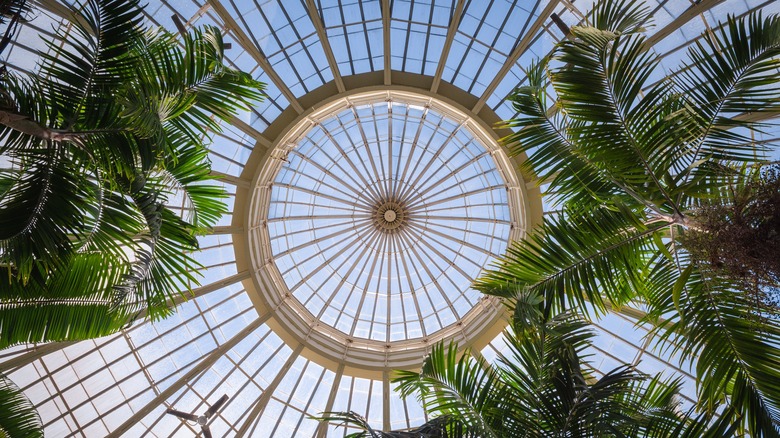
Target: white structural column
{"x": 386, "y": 39}
{"x": 518, "y": 51}
{"x": 322, "y": 428}
{"x": 319, "y": 26}
{"x": 456, "y": 14}
{"x": 265, "y": 397}
{"x": 191, "y": 374}
{"x": 255, "y": 52}
{"x": 386, "y": 400}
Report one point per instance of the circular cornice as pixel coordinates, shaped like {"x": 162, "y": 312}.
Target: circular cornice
{"x": 290, "y": 319}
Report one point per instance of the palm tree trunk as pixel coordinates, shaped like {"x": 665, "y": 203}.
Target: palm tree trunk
{"x": 676, "y": 219}
{"x": 24, "y": 124}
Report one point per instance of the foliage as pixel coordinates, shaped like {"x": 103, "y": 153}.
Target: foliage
{"x": 107, "y": 181}
{"x": 739, "y": 237}
{"x": 631, "y": 164}
{"x": 541, "y": 388}
{"x": 12, "y": 13}
{"x": 439, "y": 427}
{"x": 18, "y": 417}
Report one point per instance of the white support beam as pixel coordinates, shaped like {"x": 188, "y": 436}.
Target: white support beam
{"x": 236, "y": 181}
{"x": 688, "y": 15}
{"x": 36, "y": 352}
{"x": 322, "y": 428}
{"x": 254, "y": 51}
{"x": 386, "y": 38}
{"x": 217, "y": 285}
{"x": 252, "y": 132}
{"x": 202, "y": 366}
{"x": 518, "y": 51}
{"x": 323, "y": 36}
{"x": 456, "y": 14}
{"x": 265, "y": 397}
{"x": 227, "y": 230}
{"x": 757, "y": 117}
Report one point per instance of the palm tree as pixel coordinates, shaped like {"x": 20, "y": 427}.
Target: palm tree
{"x": 644, "y": 175}
{"x": 541, "y": 388}
{"x": 107, "y": 179}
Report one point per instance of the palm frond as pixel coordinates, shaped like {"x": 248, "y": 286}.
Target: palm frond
{"x": 186, "y": 177}
{"x": 98, "y": 56}
{"x": 624, "y": 16}
{"x": 109, "y": 142}
{"x": 734, "y": 345}
{"x": 600, "y": 88}
{"x": 45, "y": 188}
{"x": 573, "y": 261}
{"x": 18, "y": 417}
{"x": 186, "y": 87}
{"x": 75, "y": 303}
{"x": 462, "y": 387}
{"x": 353, "y": 419}
{"x": 731, "y": 72}
{"x": 555, "y": 159}
{"x": 439, "y": 427}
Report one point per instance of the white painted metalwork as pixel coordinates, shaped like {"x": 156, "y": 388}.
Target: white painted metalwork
{"x": 461, "y": 59}
{"x": 364, "y": 210}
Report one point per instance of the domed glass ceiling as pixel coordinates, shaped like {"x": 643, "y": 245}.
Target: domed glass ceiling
{"x": 383, "y": 214}
{"x": 241, "y": 335}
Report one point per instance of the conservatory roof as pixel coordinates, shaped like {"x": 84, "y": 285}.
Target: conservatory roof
{"x": 349, "y": 248}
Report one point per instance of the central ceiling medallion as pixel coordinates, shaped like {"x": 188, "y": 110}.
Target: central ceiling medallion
{"x": 391, "y": 216}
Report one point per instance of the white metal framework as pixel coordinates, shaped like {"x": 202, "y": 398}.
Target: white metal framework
{"x": 371, "y": 218}
{"x": 383, "y": 214}
{"x": 242, "y": 334}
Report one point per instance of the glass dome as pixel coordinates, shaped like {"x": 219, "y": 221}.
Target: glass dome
{"x": 366, "y": 192}
{"x": 382, "y": 214}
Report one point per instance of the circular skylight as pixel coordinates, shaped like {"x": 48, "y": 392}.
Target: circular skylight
{"x": 371, "y": 215}
{"x": 381, "y": 216}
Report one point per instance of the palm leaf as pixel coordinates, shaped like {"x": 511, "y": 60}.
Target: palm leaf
{"x": 576, "y": 261}
{"x": 187, "y": 86}
{"x": 75, "y": 303}
{"x": 439, "y": 427}
{"x": 600, "y": 87}
{"x": 623, "y": 16}
{"x": 186, "y": 177}
{"x": 555, "y": 159}
{"x": 45, "y": 188}
{"x": 18, "y": 417}
{"x": 465, "y": 388}
{"x": 735, "y": 347}
{"x": 731, "y": 71}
